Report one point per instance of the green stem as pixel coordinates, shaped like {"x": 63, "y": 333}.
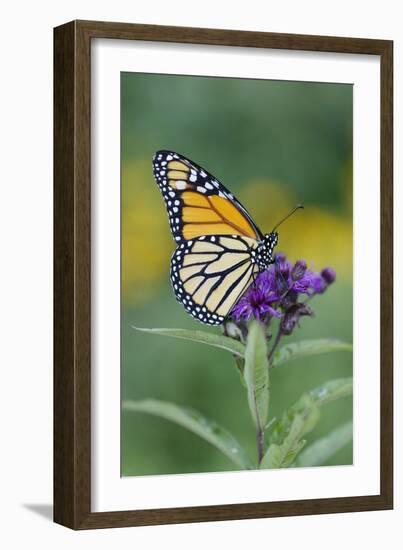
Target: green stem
{"x": 260, "y": 444}
{"x": 260, "y": 432}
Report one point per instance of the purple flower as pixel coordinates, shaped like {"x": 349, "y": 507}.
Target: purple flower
{"x": 256, "y": 302}
{"x": 277, "y": 292}
{"x": 314, "y": 283}
{"x": 296, "y": 278}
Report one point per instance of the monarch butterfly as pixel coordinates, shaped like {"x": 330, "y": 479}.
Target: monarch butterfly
{"x": 220, "y": 249}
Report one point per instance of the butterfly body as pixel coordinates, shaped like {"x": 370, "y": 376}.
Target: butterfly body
{"x": 264, "y": 252}
{"x": 220, "y": 250}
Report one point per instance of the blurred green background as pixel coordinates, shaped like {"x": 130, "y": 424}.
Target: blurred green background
{"x": 274, "y": 144}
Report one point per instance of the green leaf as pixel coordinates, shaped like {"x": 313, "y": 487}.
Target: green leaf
{"x": 256, "y": 374}
{"x": 307, "y": 348}
{"x": 332, "y": 390}
{"x": 196, "y": 423}
{"x": 322, "y": 449}
{"x": 327, "y": 392}
{"x": 200, "y": 336}
{"x": 282, "y": 455}
{"x": 286, "y": 434}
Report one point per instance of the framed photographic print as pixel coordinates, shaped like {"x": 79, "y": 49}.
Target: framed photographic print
{"x": 223, "y": 275}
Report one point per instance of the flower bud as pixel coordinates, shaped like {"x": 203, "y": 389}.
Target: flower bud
{"x": 298, "y": 271}
{"x": 292, "y": 316}
{"x": 279, "y": 257}
{"x": 232, "y": 330}
{"x": 282, "y": 281}
{"x": 289, "y": 299}
{"x": 288, "y": 323}
{"x": 329, "y": 275}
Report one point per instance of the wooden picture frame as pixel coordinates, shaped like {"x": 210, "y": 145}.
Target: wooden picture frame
{"x": 72, "y": 272}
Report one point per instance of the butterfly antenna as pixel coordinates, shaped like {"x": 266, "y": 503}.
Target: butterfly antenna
{"x": 287, "y": 216}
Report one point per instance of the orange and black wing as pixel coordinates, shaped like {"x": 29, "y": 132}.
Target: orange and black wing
{"x": 197, "y": 203}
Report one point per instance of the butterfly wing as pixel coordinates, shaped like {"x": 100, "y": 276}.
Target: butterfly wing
{"x": 210, "y": 274}
{"x": 197, "y": 203}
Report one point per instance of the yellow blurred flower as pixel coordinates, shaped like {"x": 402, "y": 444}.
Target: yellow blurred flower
{"x": 322, "y": 237}
{"x": 146, "y": 240}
